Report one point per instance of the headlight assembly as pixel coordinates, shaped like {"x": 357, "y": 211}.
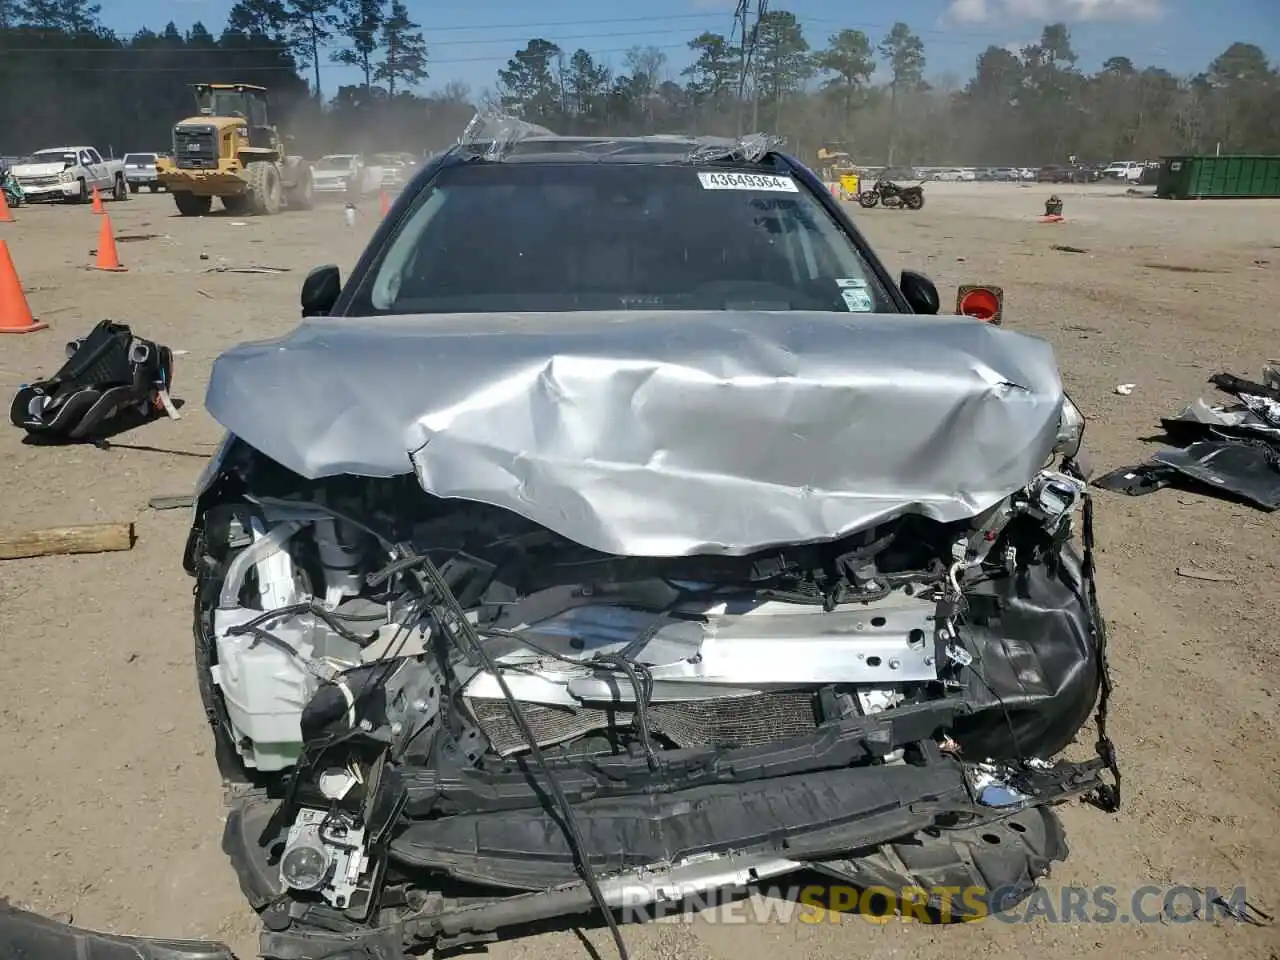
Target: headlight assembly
{"x": 1070, "y": 430}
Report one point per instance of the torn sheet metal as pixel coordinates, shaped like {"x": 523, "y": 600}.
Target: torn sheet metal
{"x": 499, "y": 131}
{"x": 660, "y": 433}
{"x": 751, "y": 148}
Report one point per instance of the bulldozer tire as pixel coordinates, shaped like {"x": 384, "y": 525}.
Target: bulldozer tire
{"x": 302, "y": 194}
{"x": 240, "y": 205}
{"x": 190, "y": 205}
{"x": 264, "y": 187}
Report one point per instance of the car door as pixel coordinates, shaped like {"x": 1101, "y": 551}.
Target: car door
{"x": 97, "y": 170}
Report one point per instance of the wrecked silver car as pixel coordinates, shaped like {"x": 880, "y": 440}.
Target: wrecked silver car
{"x": 621, "y": 530}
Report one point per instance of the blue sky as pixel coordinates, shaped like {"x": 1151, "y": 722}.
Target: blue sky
{"x": 469, "y": 42}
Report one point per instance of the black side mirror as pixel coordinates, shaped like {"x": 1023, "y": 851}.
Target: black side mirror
{"x": 320, "y": 290}
{"x": 920, "y": 292}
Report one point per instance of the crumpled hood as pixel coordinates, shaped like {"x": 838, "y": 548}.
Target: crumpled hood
{"x": 37, "y": 169}
{"x": 660, "y": 433}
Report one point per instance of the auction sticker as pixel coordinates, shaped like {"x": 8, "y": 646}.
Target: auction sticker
{"x": 747, "y": 181}
{"x": 858, "y": 300}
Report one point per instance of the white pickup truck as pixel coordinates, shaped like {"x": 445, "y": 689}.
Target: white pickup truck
{"x": 70, "y": 173}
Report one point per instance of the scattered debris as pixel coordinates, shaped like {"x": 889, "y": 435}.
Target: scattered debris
{"x": 1063, "y": 248}
{"x": 1195, "y": 573}
{"x": 93, "y": 538}
{"x": 1124, "y": 389}
{"x": 137, "y": 237}
{"x": 176, "y": 501}
{"x": 221, "y": 268}
{"x": 1180, "y": 268}
{"x": 204, "y": 293}
{"x": 1233, "y": 451}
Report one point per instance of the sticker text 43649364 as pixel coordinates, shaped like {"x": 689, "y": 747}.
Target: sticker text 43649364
{"x": 747, "y": 181}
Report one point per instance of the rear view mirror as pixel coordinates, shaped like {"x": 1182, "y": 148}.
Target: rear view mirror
{"x": 320, "y": 290}
{"x": 920, "y": 292}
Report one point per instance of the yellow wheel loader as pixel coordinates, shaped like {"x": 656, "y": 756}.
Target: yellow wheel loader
{"x": 230, "y": 150}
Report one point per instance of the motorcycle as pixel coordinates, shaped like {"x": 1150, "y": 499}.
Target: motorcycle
{"x": 13, "y": 193}
{"x": 892, "y": 195}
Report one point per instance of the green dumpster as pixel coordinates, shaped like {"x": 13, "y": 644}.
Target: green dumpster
{"x": 1187, "y": 177}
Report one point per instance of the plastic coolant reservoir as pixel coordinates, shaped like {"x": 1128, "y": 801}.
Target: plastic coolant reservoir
{"x": 264, "y": 689}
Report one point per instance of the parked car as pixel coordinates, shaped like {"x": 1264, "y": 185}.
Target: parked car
{"x": 1006, "y": 174}
{"x": 397, "y": 168}
{"x": 1123, "y": 170}
{"x": 954, "y": 175}
{"x": 69, "y": 173}
{"x": 140, "y": 171}
{"x": 1057, "y": 173}
{"x": 345, "y": 174}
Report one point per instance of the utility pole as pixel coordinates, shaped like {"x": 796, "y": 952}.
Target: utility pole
{"x": 748, "y": 33}
{"x": 740, "y": 28}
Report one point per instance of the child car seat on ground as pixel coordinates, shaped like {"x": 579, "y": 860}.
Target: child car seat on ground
{"x": 108, "y": 373}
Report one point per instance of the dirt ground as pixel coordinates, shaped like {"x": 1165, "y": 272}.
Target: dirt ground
{"x": 112, "y": 806}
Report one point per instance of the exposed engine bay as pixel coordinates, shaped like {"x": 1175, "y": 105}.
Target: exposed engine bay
{"x": 439, "y": 719}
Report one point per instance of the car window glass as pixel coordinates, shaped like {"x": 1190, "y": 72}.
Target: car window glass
{"x": 615, "y": 236}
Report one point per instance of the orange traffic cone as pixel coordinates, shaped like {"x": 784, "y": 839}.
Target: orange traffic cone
{"x": 15, "y": 313}
{"x": 97, "y": 202}
{"x": 386, "y": 204}
{"x": 5, "y": 215}
{"x": 108, "y": 259}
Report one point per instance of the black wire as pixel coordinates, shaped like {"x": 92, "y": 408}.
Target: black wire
{"x": 642, "y": 689}
{"x": 266, "y": 636}
{"x": 638, "y": 674}
{"x": 466, "y": 631}
{"x": 295, "y": 608}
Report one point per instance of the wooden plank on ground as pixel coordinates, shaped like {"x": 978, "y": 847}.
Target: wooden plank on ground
{"x": 91, "y": 538}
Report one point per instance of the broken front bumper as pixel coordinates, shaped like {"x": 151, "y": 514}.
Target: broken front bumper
{"x": 900, "y": 827}
{"x": 50, "y": 191}
{"x": 993, "y": 862}
{"x": 27, "y": 936}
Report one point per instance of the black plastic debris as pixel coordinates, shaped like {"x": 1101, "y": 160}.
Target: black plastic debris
{"x": 1233, "y": 452}
{"x": 1248, "y": 470}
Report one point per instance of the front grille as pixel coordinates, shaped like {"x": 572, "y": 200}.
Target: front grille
{"x": 37, "y": 181}
{"x": 725, "y": 721}
{"x": 195, "y": 148}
